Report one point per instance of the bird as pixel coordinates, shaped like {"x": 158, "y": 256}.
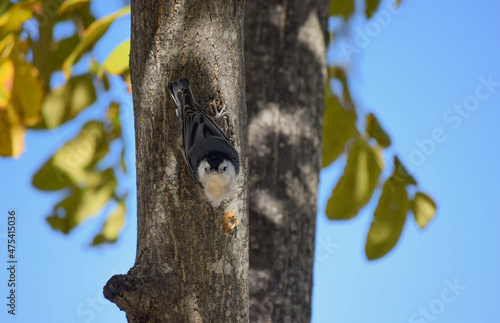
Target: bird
{"x": 210, "y": 156}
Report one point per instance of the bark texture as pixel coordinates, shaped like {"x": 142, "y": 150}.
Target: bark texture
{"x": 286, "y": 74}
{"x": 186, "y": 268}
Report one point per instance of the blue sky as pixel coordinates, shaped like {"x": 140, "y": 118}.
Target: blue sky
{"x": 412, "y": 71}
{"x": 427, "y": 59}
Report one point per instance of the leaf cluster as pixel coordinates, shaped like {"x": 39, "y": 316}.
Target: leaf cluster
{"x": 31, "y": 58}
{"x": 362, "y": 173}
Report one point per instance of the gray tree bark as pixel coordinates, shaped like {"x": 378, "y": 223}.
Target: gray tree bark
{"x": 186, "y": 268}
{"x": 286, "y": 74}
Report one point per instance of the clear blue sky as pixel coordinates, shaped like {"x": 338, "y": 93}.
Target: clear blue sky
{"x": 412, "y": 72}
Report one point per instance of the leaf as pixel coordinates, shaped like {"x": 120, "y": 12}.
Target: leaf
{"x": 357, "y": 184}
{"x": 375, "y": 131}
{"x": 50, "y": 177}
{"x": 61, "y": 50}
{"x": 6, "y": 81}
{"x": 82, "y": 204}
{"x": 424, "y": 209}
{"x": 113, "y": 115}
{"x": 371, "y": 7}
{"x": 5, "y": 6}
{"x": 91, "y": 35}
{"x": 398, "y": 2}
{"x": 69, "y": 164}
{"x": 389, "y": 219}
{"x": 105, "y": 82}
{"x": 13, "y": 19}
{"x": 117, "y": 61}
{"x": 69, "y": 6}
{"x": 11, "y": 133}
{"x": 401, "y": 175}
{"x": 340, "y": 75}
{"x": 67, "y": 101}
{"x": 6, "y": 45}
{"x": 113, "y": 225}
{"x": 123, "y": 164}
{"x": 345, "y": 8}
{"x": 339, "y": 125}
{"x": 27, "y": 94}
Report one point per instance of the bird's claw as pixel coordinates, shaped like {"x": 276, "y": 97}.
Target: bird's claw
{"x": 215, "y": 112}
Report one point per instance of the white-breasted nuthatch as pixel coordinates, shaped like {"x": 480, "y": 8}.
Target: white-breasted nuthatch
{"x": 211, "y": 158}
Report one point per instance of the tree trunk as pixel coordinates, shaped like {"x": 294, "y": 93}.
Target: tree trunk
{"x": 286, "y": 74}
{"x": 186, "y": 268}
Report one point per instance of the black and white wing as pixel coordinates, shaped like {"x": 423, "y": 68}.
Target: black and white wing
{"x": 201, "y": 136}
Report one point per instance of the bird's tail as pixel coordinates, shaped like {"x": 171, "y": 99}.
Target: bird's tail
{"x": 181, "y": 92}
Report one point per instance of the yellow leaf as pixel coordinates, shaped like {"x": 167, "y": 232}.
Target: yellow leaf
{"x": 117, "y": 61}
{"x": 389, "y": 220}
{"x": 6, "y": 81}
{"x": 91, "y": 35}
{"x": 69, "y": 164}
{"x": 6, "y": 45}
{"x": 339, "y": 125}
{"x": 66, "y": 102}
{"x": 13, "y": 19}
{"x": 375, "y": 130}
{"x": 82, "y": 204}
{"x": 27, "y": 94}
{"x": 424, "y": 209}
{"x": 11, "y": 133}
{"x": 401, "y": 175}
{"x": 339, "y": 74}
{"x": 113, "y": 225}
{"x": 357, "y": 184}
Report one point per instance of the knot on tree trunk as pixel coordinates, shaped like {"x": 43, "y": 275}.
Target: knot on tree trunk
{"x": 115, "y": 287}
{"x": 122, "y": 290}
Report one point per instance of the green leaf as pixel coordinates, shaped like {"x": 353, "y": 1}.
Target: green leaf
{"x": 113, "y": 115}
{"x": 70, "y": 6}
{"x": 123, "y": 164}
{"x": 357, "y": 184}
{"x": 398, "y": 2}
{"x": 61, "y": 50}
{"x": 67, "y": 101}
{"x": 113, "y": 225}
{"x": 117, "y": 61}
{"x": 389, "y": 220}
{"x": 69, "y": 164}
{"x": 345, "y": 8}
{"x": 91, "y": 35}
{"x": 340, "y": 75}
{"x": 27, "y": 93}
{"x": 339, "y": 125}
{"x": 5, "y": 6}
{"x": 424, "y": 209}
{"x": 82, "y": 204}
{"x": 375, "y": 131}
{"x": 401, "y": 175}
{"x": 6, "y": 81}
{"x": 371, "y": 7}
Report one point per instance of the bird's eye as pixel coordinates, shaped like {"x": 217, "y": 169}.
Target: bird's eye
{"x": 224, "y": 169}
{"x": 206, "y": 169}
